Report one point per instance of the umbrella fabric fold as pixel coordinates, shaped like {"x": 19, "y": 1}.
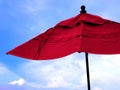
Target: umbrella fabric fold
{"x": 48, "y": 45}
{"x": 82, "y": 33}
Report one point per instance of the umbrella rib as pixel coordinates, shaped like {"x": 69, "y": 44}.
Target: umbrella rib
{"x": 42, "y": 43}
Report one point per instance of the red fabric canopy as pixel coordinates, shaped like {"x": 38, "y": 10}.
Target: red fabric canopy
{"x": 82, "y": 33}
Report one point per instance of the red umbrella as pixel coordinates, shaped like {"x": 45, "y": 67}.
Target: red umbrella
{"x": 82, "y": 33}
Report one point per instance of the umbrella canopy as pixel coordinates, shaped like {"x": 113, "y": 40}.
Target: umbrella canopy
{"x": 81, "y": 33}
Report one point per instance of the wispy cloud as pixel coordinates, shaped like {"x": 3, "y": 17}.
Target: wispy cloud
{"x": 6, "y": 75}
{"x": 34, "y": 7}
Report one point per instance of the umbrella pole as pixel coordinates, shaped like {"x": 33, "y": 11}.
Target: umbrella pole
{"x": 87, "y": 71}
{"x": 83, "y": 11}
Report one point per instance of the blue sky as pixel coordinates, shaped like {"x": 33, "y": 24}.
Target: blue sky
{"x": 24, "y": 19}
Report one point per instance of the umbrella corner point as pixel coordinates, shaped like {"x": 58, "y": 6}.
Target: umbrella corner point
{"x": 7, "y": 53}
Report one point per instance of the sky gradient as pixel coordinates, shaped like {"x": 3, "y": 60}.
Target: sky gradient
{"x": 24, "y": 19}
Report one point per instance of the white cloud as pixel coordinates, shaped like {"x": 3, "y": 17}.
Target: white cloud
{"x": 105, "y": 69}
{"x": 57, "y": 82}
{"x": 19, "y": 82}
{"x": 59, "y": 73}
{"x": 34, "y": 85}
{"x": 97, "y": 88}
{"x": 70, "y": 72}
{"x": 84, "y": 80}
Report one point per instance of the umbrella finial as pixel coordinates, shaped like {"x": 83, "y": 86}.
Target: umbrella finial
{"x": 83, "y": 9}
